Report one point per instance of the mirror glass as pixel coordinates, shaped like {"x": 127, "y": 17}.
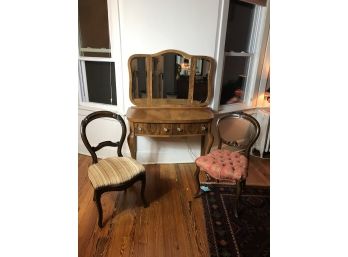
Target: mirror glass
{"x": 138, "y": 77}
{"x": 170, "y": 76}
{"x": 200, "y": 91}
{"x": 167, "y": 78}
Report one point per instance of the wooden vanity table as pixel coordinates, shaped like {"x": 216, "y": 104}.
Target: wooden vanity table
{"x": 166, "y": 106}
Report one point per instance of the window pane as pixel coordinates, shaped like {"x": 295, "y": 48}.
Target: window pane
{"x": 93, "y": 27}
{"x": 233, "y": 83}
{"x": 239, "y": 24}
{"x": 101, "y": 82}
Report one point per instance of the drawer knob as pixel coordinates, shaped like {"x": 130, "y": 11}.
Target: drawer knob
{"x": 139, "y": 128}
{"x": 165, "y": 129}
{"x": 204, "y": 128}
{"x": 179, "y": 129}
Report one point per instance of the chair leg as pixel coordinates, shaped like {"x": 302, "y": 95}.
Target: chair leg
{"x": 238, "y": 187}
{"x": 198, "y": 193}
{"x": 96, "y": 198}
{"x": 143, "y": 184}
{"x": 243, "y": 182}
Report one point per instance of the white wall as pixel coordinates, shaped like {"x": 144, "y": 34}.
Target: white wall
{"x": 155, "y": 25}
{"x": 152, "y": 26}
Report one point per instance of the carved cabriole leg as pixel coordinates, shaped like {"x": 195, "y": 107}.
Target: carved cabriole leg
{"x": 143, "y": 184}
{"x": 238, "y": 189}
{"x": 202, "y": 145}
{"x": 97, "y": 196}
{"x": 209, "y": 142}
{"x": 132, "y": 142}
{"x": 198, "y": 193}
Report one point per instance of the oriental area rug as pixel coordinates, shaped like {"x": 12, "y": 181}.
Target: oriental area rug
{"x": 247, "y": 236}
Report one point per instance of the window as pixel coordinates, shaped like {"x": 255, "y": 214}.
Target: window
{"x": 245, "y": 23}
{"x": 100, "y": 77}
{"x": 97, "y": 50}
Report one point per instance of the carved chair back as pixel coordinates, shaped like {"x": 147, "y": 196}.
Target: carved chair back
{"x": 239, "y": 131}
{"x": 93, "y": 149}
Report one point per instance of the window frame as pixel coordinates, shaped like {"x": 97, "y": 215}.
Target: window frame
{"x": 116, "y": 58}
{"x": 264, "y": 77}
{"x": 254, "y": 52}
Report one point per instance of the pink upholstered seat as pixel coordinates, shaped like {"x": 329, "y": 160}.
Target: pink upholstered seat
{"x": 239, "y": 131}
{"x": 224, "y": 165}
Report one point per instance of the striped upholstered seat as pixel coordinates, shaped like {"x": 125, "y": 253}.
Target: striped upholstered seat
{"x": 111, "y": 174}
{"x": 114, "y": 171}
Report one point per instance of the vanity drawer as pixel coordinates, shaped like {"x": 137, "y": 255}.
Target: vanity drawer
{"x": 175, "y": 129}
{"x": 142, "y": 128}
{"x": 165, "y": 128}
{"x": 190, "y": 128}
{"x": 153, "y": 128}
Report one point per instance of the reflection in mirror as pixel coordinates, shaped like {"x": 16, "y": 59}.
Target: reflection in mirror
{"x": 138, "y": 68}
{"x": 182, "y": 77}
{"x": 200, "y": 92}
{"x": 157, "y": 77}
{"x": 170, "y": 76}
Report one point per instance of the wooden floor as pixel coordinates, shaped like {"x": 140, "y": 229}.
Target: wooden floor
{"x": 173, "y": 224}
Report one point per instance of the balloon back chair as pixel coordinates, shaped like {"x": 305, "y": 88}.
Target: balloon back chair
{"x": 114, "y": 173}
{"x": 228, "y": 164}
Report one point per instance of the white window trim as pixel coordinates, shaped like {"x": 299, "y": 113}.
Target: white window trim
{"x": 241, "y": 54}
{"x": 81, "y": 90}
{"x": 97, "y": 59}
{"x": 116, "y": 58}
{"x": 220, "y": 52}
{"x": 95, "y": 50}
{"x": 264, "y": 76}
{"x": 254, "y": 48}
{"x": 88, "y": 106}
{"x": 83, "y": 85}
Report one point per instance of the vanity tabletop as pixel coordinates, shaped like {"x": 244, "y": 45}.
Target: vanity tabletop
{"x": 169, "y": 114}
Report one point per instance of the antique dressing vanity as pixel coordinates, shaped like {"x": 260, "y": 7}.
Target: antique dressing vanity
{"x": 170, "y": 91}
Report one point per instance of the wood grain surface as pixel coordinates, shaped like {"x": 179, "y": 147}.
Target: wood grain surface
{"x": 172, "y": 225}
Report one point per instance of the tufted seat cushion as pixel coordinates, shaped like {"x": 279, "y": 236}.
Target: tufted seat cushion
{"x": 113, "y": 171}
{"x": 224, "y": 165}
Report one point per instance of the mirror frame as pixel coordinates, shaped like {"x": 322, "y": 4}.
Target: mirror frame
{"x": 160, "y": 102}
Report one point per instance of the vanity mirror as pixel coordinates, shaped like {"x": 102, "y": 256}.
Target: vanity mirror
{"x": 170, "y": 78}
{"x": 170, "y": 91}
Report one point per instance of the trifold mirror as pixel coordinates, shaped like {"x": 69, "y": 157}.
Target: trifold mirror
{"x": 170, "y": 77}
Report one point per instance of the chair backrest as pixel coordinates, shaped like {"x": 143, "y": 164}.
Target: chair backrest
{"x": 239, "y": 131}
{"x": 93, "y": 149}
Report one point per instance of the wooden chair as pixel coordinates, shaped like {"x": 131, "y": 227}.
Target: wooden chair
{"x": 229, "y": 165}
{"x": 115, "y": 173}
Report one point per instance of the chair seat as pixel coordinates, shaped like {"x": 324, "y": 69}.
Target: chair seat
{"x": 113, "y": 171}
{"x": 224, "y": 165}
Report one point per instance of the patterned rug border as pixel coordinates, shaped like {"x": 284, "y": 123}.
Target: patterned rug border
{"x": 230, "y": 191}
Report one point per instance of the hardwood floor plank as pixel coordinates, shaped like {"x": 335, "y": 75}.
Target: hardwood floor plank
{"x": 194, "y": 210}
{"x": 172, "y": 225}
